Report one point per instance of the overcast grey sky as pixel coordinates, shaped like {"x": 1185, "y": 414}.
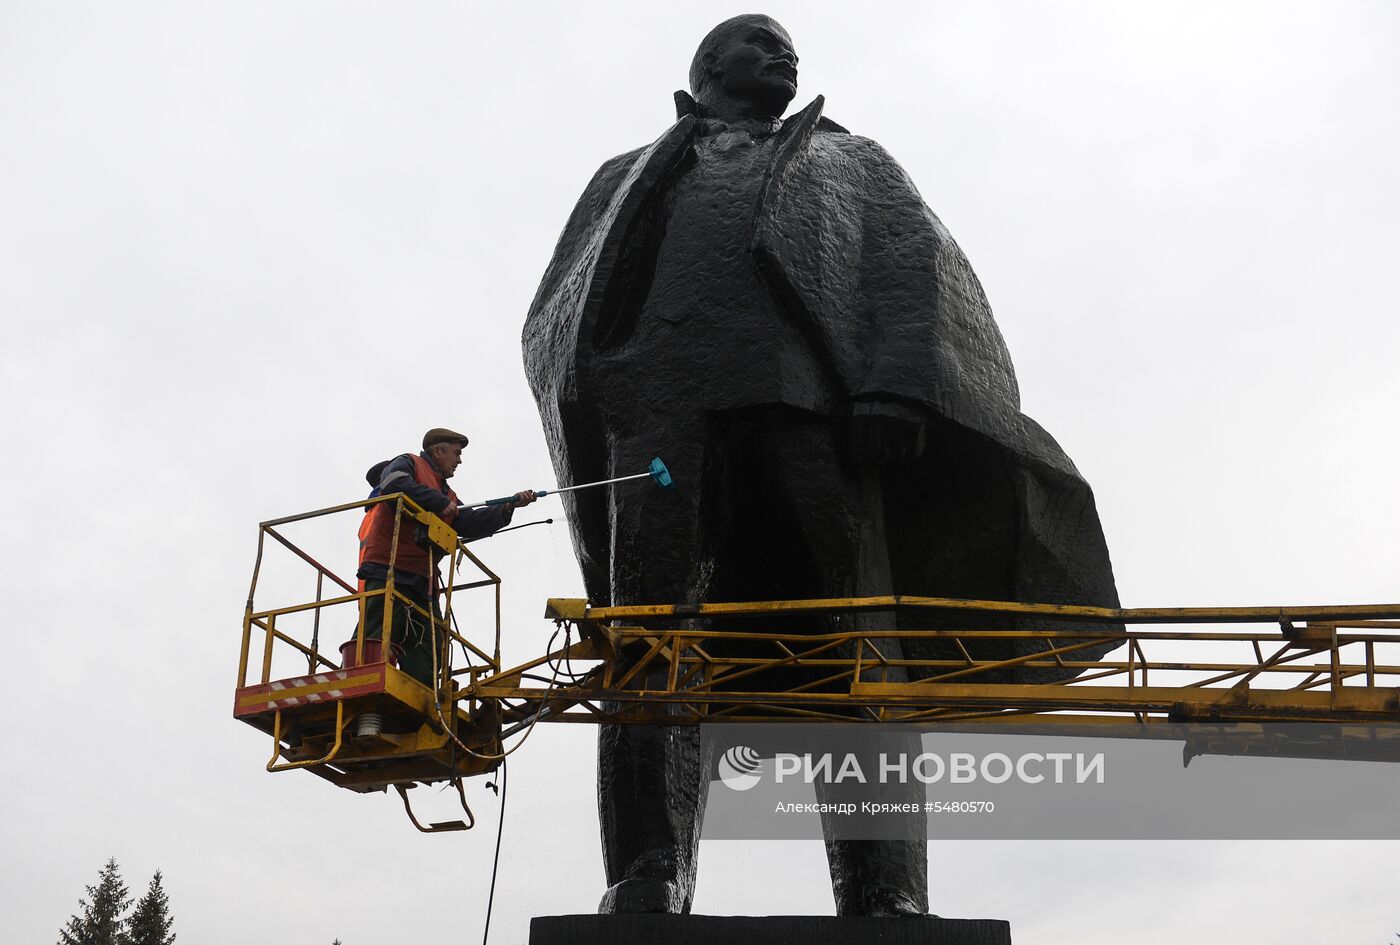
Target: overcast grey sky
{"x": 247, "y": 249}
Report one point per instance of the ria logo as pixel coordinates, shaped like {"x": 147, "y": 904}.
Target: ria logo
{"x": 740, "y": 768}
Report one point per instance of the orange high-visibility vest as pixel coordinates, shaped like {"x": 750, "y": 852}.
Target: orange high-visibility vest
{"x": 377, "y": 529}
{"x": 364, "y": 538}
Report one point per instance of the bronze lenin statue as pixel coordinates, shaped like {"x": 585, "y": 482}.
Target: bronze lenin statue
{"x": 769, "y": 304}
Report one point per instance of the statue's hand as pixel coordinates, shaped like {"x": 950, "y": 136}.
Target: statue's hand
{"x": 883, "y": 432}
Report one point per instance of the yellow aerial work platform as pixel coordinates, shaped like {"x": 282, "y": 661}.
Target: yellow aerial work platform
{"x": 360, "y": 722}
{"x": 695, "y": 664}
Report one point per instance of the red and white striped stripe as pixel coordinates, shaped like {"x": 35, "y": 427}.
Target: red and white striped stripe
{"x": 255, "y": 700}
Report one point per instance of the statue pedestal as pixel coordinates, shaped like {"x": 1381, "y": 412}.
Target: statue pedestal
{"x": 645, "y": 929}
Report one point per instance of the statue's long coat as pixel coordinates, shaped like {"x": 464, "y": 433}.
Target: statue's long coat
{"x": 889, "y": 301}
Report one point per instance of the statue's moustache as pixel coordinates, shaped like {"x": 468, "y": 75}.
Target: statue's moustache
{"x": 783, "y": 66}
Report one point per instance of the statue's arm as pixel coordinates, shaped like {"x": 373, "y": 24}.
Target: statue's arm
{"x": 550, "y": 345}
{"x": 886, "y": 425}
{"x": 931, "y": 345}
{"x": 553, "y": 304}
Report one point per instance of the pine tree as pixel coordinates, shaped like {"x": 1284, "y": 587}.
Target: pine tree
{"x": 102, "y": 919}
{"x": 150, "y": 923}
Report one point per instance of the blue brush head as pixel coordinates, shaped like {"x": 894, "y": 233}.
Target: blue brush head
{"x": 661, "y": 474}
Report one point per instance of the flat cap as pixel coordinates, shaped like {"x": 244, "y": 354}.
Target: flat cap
{"x": 442, "y": 435}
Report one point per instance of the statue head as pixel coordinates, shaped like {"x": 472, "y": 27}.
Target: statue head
{"x": 744, "y": 66}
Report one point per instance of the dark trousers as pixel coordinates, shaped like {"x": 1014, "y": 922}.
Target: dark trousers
{"x": 766, "y": 508}
{"x": 412, "y": 634}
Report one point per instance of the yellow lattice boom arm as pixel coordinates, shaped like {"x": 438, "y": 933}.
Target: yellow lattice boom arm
{"x": 931, "y": 661}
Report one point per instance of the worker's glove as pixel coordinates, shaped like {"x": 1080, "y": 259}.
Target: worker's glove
{"x": 522, "y": 498}
{"x": 883, "y": 432}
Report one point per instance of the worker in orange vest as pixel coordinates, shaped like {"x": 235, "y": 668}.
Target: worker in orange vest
{"x": 423, "y": 478}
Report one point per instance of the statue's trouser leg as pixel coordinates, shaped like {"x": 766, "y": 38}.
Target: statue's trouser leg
{"x": 878, "y": 862}
{"x": 768, "y": 510}
{"x": 827, "y": 515}
{"x": 652, "y": 780}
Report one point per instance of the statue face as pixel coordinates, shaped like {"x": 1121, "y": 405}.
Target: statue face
{"x": 757, "y": 66}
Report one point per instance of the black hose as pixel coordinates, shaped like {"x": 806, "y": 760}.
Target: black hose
{"x": 496, "y": 861}
{"x": 511, "y": 528}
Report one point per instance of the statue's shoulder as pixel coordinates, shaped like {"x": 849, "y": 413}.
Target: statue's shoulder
{"x": 615, "y": 167}
{"x": 598, "y": 194}
{"x": 838, "y": 142}
{"x": 623, "y": 160}
{"x": 663, "y": 150}
{"x": 819, "y": 147}
{"x": 826, "y": 138}
{"x": 870, "y": 171}
{"x": 853, "y": 157}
